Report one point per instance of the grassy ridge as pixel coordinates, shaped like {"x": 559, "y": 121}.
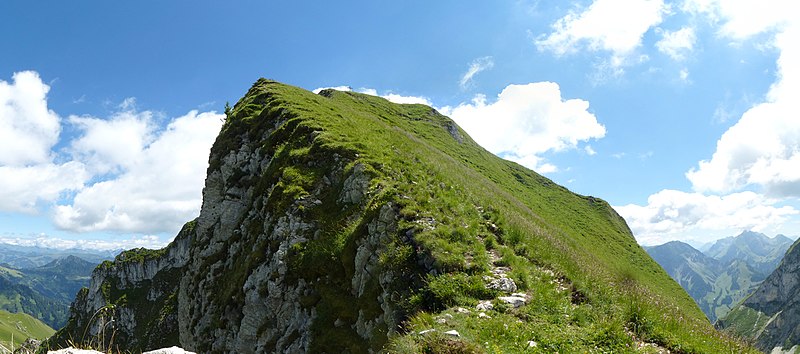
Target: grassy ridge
{"x": 20, "y": 327}
{"x": 592, "y": 285}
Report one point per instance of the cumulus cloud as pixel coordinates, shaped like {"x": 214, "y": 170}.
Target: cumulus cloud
{"x": 671, "y": 214}
{"x": 616, "y": 26}
{"x": 29, "y": 127}
{"x": 28, "y": 131}
{"x": 337, "y": 88}
{"x": 742, "y": 19}
{"x": 677, "y": 44}
{"x": 110, "y": 144}
{"x": 476, "y": 67}
{"x": 396, "y": 98}
{"x": 24, "y": 187}
{"x": 526, "y": 121}
{"x": 161, "y": 173}
{"x": 763, "y": 148}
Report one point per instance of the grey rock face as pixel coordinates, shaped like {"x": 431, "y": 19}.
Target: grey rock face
{"x": 249, "y": 275}
{"x": 95, "y": 312}
{"x": 778, "y": 299}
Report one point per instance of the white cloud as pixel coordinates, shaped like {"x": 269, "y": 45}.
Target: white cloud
{"x": 23, "y": 187}
{"x": 616, "y": 26}
{"x": 671, "y": 214}
{"x": 677, "y": 44}
{"x": 146, "y": 241}
{"x": 475, "y": 67}
{"x": 756, "y": 165}
{"x": 160, "y": 183}
{"x": 684, "y": 75}
{"x": 741, "y": 18}
{"x": 763, "y": 147}
{"x": 337, "y": 88}
{"x": 28, "y": 129}
{"x": 108, "y": 145}
{"x": 392, "y": 97}
{"x": 526, "y": 121}
{"x": 143, "y": 178}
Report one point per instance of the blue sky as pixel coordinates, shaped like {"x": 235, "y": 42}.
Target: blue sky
{"x": 680, "y": 113}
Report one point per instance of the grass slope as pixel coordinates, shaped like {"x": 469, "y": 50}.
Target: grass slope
{"x": 592, "y": 287}
{"x": 20, "y": 327}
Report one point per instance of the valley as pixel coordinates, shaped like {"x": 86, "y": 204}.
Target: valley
{"x": 727, "y": 272}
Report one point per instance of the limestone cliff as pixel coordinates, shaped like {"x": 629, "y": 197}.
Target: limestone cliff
{"x": 239, "y": 277}
{"x": 770, "y": 316}
{"x": 340, "y": 222}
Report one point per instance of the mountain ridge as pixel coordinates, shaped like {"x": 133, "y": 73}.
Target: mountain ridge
{"x": 26, "y": 257}
{"x": 729, "y": 270}
{"x": 763, "y": 253}
{"x": 343, "y": 222}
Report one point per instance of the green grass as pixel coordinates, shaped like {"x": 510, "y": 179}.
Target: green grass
{"x": 20, "y": 327}
{"x": 745, "y": 322}
{"x": 458, "y": 200}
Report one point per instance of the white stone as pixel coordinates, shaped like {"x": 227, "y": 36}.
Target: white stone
{"x": 453, "y": 333}
{"x": 170, "y": 350}
{"x": 485, "y": 305}
{"x": 427, "y": 331}
{"x": 515, "y": 301}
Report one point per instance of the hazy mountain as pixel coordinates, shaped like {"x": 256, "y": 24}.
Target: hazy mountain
{"x": 61, "y": 278}
{"x": 726, "y": 273}
{"x": 759, "y": 251}
{"x": 26, "y": 257}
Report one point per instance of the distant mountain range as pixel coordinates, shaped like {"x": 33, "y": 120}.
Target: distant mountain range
{"x": 42, "y": 282}
{"x": 726, "y": 272}
{"x": 26, "y": 257}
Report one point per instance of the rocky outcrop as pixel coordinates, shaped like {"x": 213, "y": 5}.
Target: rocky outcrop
{"x": 252, "y": 273}
{"x": 130, "y": 302}
{"x": 771, "y": 315}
